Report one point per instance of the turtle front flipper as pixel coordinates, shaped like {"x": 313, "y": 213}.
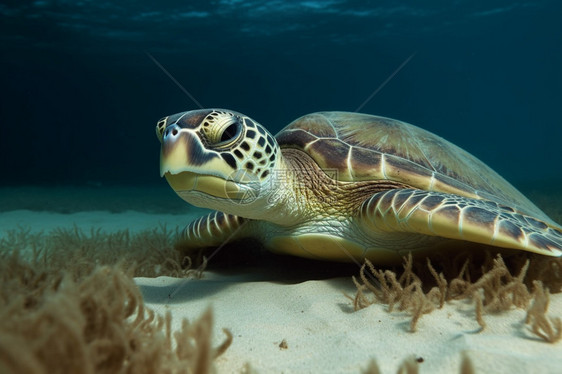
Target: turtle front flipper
{"x": 211, "y": 230}
{"x": 406, "y": 218}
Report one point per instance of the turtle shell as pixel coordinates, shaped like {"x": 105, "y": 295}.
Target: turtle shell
{"x": 359, "y": 147}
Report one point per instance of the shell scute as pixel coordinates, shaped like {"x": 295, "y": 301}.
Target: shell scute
{"x": 365, "y": 147}
{"x": 363, "y": 163}
{"x": 315, "y": 123}
{"x": 407, "y": 172}
{"x": 330, "y": 153}
{"x": 297, "y": 138}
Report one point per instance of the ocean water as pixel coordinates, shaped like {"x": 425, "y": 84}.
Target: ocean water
{"x": 83, "y": 82}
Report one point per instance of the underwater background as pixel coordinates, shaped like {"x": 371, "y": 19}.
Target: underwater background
{"x": 82, "y": 90}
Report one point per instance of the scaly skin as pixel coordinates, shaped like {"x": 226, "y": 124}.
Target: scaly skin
{"x": 342, "y": 186}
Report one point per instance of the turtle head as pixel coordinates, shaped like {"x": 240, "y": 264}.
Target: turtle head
{"x": 217, "y": 159}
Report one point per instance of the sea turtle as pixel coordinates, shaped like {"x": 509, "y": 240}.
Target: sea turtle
{"x": 342, "y": 186}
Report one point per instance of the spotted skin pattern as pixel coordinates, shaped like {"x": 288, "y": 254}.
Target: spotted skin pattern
{"x": 253, "y": 149}
{"x": 423, "y": 189}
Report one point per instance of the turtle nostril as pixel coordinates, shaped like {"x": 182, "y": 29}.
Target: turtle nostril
{"x": 171, "y": 131}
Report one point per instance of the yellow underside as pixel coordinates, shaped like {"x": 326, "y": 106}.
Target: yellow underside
{"x": 330, "y": 248}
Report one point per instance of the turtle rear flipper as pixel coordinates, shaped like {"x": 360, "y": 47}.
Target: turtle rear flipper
{"x": 436, "y": 214}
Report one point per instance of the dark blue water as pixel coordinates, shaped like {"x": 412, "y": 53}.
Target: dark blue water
{"x": 80, "y": 96}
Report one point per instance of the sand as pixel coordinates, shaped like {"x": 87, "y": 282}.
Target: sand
{"x": 313, "y": 318}
{"x": 323, "y": 334}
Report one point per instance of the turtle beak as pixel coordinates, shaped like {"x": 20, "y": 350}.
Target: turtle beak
{"x": 183, "y": 151}
{"x": 187, "y": 165}
{"x": 174, "y": 150}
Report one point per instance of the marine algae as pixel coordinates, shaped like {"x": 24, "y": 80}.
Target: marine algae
{"x": 499, "y": 286}
{"x": 149, "y": 253}
{"x": 548, "y": 329}
{"x": 79, "y": 314}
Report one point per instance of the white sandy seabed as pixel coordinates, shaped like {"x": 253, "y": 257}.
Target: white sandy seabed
{"x": 316, "y": 321}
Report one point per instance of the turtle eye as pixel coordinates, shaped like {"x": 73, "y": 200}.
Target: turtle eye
{"x": 227, "y": 134}
{"x": 230, "y": 132}
{"x": 221, "y": 129}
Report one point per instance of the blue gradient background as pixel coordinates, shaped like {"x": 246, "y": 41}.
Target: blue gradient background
{"x": 80, "y": 97}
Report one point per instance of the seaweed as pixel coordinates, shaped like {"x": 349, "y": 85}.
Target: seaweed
{"x": 149, "y": 253}
{"x": 548, "y": 329}
{"x": 70, "y": 304}
{"x": 406, "y": 291}
{"x": 499, "y": 286}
